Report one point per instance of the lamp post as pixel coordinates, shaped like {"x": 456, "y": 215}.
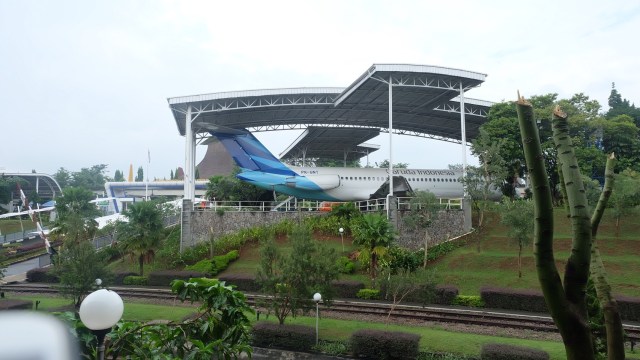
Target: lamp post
{"x": 341, "y": 230}
{"x": 317, "y": 298}
{"x": 99, "y": 311}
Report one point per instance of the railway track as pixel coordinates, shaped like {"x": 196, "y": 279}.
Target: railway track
{"x": 479, "y": 317}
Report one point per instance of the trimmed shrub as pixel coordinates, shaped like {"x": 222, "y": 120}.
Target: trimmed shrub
{"x": 445, "y": 294}
{"x": 42, "y": 275}
{"x": 468, "y": 300}
{"x": 511, "y": 352}
{"x": 118, "y": 278}
{"x": 345, "y": 265}
{"x": 15, "y": 304}
{"x": 135, "y": 280}
{"x": 629, "y": 308}
{"x": 289, "y": 337}
{"x": 347, "y": 288}
{"x": 203, "y": 266}
{"x": 221, "y": 262}
{"x": 513, "y": 299}
{"x": 243, "y": 282}
{"x": 165, "y": 277}
{"x": 368, "y": 294}
{"x": 377, "y": 344}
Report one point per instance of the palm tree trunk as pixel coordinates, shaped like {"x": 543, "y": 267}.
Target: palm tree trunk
{"x": 520, "y": 261}
{"x": 141, "y": 263}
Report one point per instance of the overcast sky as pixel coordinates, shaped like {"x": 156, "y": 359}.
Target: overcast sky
{"x": 87, "y": 82}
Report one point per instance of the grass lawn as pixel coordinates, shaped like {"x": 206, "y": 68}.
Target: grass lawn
{"x": 8, "y": 226}
{"x": 432, "y": 338}
{"x": 132, "y": 310}
{"x": 496, "y": 263}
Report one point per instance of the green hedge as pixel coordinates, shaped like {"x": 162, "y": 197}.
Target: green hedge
{"x": 165, "y": 277}
{"x": 468, "y": 300}
{"x": 215, "y": 265}
{"x": 513, "y": 299}
{"x": 346, "y": 288}
{"x": 289, "y": 337}
{"x": 135, "y": 280}
{"x": 42, "y": 275}
{"x": 511, "y": 352}
{"x": 242, "y": 282}
{"x": 368, "y": 294}
{"x": 378, "y": 344}
{"x": 345, "y": 265}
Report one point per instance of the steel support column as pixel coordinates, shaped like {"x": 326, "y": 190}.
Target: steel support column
{"x": 463, "y": 131}
{"x": 189, "y": 158}
{"x": 390, "y": 137}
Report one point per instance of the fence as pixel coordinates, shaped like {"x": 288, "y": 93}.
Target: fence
{"x": 305, "y": 205}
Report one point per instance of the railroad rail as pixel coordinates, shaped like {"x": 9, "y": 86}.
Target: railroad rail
{"x": 482, "y": 317}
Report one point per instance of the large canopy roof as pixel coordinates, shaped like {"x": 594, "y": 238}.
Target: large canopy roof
{"x": 343, "y": 144}
{"x": 425, "y": 103}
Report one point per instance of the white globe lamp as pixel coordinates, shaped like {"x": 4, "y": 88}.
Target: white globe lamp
{"x": 99, "y": 311}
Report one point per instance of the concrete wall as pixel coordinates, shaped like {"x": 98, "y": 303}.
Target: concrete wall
{"x": 450, "y": 223}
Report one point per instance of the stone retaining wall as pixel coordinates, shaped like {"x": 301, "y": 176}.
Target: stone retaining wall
{"x": 450, "y": 223}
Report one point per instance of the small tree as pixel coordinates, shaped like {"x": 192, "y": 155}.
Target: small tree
{"x": 142, "y": 234}
{"x": 292, "y": 280}
{"x": 404, "y": 282}
{"x": 140, "y": 174}
{"x": 78, "y": 266}
{"x": 374, "y": 233}
{"x": 625, "y": 195}
{"x": 517, "y": 215}
{"x": 425, "y": 207}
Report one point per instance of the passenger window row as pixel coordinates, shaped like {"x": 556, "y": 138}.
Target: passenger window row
{"x": 378, "y": 178}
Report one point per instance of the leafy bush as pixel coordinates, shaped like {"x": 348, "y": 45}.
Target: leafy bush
{"x": 513, "y": 299}
{"x": 468, "y": 300}
{"x": 135, "y": 280}
{"x": 347, "y": 288}
{"x": 377, "y": 344}
{"x": 511, "y": 352}
{"x": 333, "y": 348}
{"x": 118, "y": 277}
{"x": 165, "y": 277}
{"x": 368, "y": 294}
{"x": 345, "y": 265}
{"x": 290, "y": 337}
{"x": 42, "y": 275}
{"x": 432, "y": 355}
{"x": 402, "y": 258}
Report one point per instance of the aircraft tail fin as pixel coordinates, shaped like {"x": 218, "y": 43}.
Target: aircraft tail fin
{"x": 249, "y": 153}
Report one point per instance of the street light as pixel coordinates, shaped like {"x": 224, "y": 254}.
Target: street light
{"x": 99, "y": 311}
{"x": 341, "y": 230}
{"x": 317, "y": 298}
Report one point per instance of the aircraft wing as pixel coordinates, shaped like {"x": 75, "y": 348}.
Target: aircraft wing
{"x": 26, "y": 212}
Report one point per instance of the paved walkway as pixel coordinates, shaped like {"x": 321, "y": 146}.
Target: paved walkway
{"x": 14, "y": 278}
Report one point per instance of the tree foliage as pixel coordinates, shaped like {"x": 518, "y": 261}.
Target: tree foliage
{"x": 118, "y": 176}
{"x": 78, "y": 265}
{"x": 219, "y": 330}
{"x": 517, "y": 215}
{"x": 292, "y": 279}
{"x": 75, "y": 221}
{"x": 139, "y": 175}
{"x": 374, "y": 234}
{"x": 142, "y": 233}
{"x": 230, "y": 188}
{"x": 384, "y": 164}
{"x": 7, "y": 187}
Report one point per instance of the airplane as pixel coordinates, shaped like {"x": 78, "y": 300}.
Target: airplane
{"x": 261, "y": 168}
